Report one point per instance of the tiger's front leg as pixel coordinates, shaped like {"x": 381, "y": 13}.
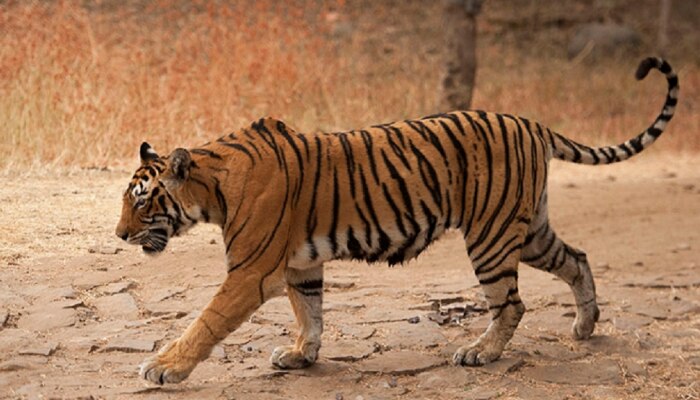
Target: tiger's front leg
{"x": 237, "y": 298}
{"x": 305, "y": 291}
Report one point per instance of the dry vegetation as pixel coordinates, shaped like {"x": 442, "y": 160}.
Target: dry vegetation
{"x": 82, "y": 84}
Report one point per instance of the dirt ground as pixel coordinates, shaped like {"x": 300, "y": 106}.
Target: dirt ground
{"x": 79, "y": 310}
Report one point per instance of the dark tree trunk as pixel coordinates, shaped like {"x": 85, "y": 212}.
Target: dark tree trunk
{"x": 460, "y": 54}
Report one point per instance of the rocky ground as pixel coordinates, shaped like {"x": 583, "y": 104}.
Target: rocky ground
{"x": 79, "y": 310}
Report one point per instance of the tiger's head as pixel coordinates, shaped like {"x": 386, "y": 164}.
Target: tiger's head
{"x": 154, "y": 206}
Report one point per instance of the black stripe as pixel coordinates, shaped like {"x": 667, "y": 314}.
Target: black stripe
{"x": 367, "y": 139}
{"x": 205, "y": 152}
{"x": 505, "y": 274}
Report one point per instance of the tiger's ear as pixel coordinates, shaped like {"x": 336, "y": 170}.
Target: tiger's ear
{"x": 179, "y": 164}
{"x": 147, "y": 153}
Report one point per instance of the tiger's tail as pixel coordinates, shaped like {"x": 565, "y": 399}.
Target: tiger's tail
{"x": 568, "y": 150}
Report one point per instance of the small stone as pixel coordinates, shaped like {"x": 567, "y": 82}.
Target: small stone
{"x": 218, "y": 352}
{"x": 414, "y": 320}
{"x": 120, "y": 305}
{"x": 213, "y": 241}
{"x": 391, "y": 382}
{"x": 118, "y": 287}
{"x": 400, "y": 363}
{"x": 42, "y": 350}
{"x": 638, "y": 263}
{"x": 4, "y": 315}
{"x": 129, "y": 345}
{"x": 338, "y": 396}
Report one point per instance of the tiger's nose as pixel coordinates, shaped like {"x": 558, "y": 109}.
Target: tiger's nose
{"x": 122, "y": 235}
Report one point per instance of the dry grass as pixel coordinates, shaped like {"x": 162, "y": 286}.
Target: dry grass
{"x": 83, "y": 86}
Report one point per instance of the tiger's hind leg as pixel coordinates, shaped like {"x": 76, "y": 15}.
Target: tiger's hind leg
{"x": 545, "y": 251}
{"x": 305, "y": 291}
{"x": 496, "y": 267}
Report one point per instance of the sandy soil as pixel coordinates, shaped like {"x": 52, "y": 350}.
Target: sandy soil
{"x": 79, "y": 310}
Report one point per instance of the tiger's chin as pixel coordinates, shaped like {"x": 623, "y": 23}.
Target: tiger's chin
{"x": 152, "y": 251}
{"x": 155, "y": 242}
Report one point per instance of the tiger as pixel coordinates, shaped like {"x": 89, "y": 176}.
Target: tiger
{"x": 288, "y": 202}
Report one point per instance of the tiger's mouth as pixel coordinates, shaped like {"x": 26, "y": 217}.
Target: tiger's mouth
{"x": 155, "y": 241}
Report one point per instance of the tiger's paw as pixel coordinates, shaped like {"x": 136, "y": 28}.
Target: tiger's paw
{"x": 584, "y": 324}
{"x": 289, "y": 357}
{"x": 167, "y": 366}
{"x": 477, "y": 353}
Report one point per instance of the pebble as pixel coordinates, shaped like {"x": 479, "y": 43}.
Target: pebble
{"x": 400, "y": 363}
{"x": 218, "y": 352}
{"x": 414, "y": 320}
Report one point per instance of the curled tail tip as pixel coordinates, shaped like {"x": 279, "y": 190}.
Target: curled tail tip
{"x": 652, "y": 62}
